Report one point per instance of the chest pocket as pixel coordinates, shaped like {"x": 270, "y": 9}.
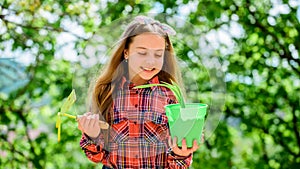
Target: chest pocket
{"x": 120, "y": 131}
{"x": 156, "y": 128}
{"x": 155, "y": 133}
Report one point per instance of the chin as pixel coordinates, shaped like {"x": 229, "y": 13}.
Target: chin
{"x": 146, "y": 77}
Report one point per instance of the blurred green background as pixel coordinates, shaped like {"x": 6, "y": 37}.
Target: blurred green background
{"x": 44, "y": 44}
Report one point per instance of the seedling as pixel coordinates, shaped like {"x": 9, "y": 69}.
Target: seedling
{"x": 174, "y": 87}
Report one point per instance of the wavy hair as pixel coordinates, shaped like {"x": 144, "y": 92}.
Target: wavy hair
{"x": 105, "y": 85}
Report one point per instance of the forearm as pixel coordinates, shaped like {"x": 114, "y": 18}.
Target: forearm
{"x": 93, "y": 149}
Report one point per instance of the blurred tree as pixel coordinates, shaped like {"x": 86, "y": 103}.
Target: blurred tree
{"x": 255, "y": 41}
{"x": 262, "y": 75}
{"x": 35, "y": 34}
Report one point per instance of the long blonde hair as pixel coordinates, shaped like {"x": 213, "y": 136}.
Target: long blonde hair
{"x": 116, "y": 68}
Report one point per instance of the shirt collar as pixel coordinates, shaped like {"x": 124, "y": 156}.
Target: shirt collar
{"x": 125, "y": 82}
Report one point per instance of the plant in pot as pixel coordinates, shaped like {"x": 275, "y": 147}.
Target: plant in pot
{"x": 186, "y": 120}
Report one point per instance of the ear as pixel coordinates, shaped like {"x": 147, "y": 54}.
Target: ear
{"x": 125, "y": 52}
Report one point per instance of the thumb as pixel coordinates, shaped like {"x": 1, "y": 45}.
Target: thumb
{"x": 80, "y": 127}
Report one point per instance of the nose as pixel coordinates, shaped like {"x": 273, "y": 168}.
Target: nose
{"x": 150, "y": 61}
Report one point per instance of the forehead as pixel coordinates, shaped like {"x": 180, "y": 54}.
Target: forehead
{"x": 148, "y": 40}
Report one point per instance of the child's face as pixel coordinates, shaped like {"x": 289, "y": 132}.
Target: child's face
{"x": 145, "y": 57}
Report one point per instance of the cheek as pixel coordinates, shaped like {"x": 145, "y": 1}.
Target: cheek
{"x": 133, "y": 60}
{"x": 160, "y": 62}
{"x": 133, "y": 64}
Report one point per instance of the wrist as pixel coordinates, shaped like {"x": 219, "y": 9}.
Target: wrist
{"x": 94, "y": 139}
{"x": 176, "y": 156}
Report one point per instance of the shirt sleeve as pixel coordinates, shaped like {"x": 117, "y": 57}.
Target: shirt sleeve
{"x": 178, "y": 162}
{"x": 93, "y": 149}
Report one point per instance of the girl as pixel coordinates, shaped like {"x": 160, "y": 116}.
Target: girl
{"x": 139, "y": 133}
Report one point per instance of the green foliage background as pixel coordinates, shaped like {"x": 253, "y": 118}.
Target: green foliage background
{"x": 260, "y": 126}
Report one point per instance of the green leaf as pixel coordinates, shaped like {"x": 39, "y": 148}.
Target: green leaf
{"x": 173, "y": 87}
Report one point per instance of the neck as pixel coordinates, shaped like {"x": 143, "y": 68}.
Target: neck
{"x": 137, "y": 80}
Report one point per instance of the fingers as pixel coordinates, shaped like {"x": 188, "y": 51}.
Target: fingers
{"x": 95, "y": 120}
{"x": 80, "y": 127}
{"x": 174, "y": 142}
{"x": 195, "y": 146}
{"x": 184, "y": 146}
{"x": 88, "y": 114}
{"x": 82, "y": 121}
{"x": 89, "y": 124}
{"x": 173, "y": 145}
{"x": 170, "y": 141}
{"x": 87, "y": 120}
{"x": 184, "y": 150}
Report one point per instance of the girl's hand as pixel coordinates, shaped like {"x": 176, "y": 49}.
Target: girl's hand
{"x": 184, "y": 151}
{"x": 89, "y": 124}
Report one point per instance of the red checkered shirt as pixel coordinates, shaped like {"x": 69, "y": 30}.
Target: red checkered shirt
{"x": 138, "y": 137}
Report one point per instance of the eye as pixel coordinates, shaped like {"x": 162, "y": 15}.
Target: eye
{"x": 158, "y": 55}
{"x": 142, "y": 53}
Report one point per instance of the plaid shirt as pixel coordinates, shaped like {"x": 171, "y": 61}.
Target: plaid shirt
{"x": 139, "y": 133}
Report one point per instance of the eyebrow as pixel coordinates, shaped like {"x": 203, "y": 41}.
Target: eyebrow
{"x": 139, "y": 47}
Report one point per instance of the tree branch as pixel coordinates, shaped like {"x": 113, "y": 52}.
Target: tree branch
{"x": 48, "y": 27}
{"x": 277, "y": 138}
{"x": 35, "y": 156}
{"x": 14, "y": 150}
{"x": 287, "y": 54}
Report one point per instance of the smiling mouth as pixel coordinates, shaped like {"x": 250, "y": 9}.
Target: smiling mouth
{"x": 147, "y": 69}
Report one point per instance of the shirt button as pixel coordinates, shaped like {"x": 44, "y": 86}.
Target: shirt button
{"x": 137, "y": 92}
{"x": 136, "y": 156}
{"x": 135, "y": 105}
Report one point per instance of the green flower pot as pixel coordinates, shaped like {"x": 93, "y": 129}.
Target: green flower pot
{"x": 186, "y": 122}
